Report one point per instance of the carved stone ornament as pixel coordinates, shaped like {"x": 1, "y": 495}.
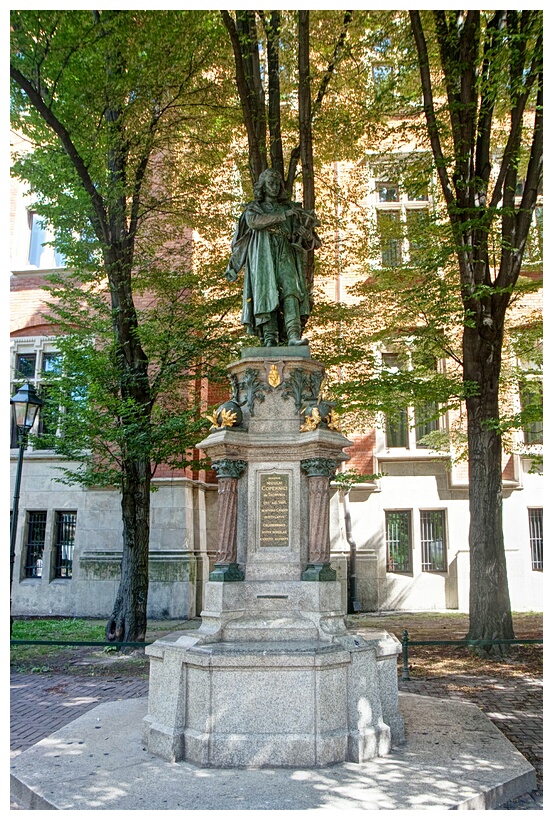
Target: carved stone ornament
{"x": 319, "y": 467}
{"x": 333, "y": 421}
{"x": 228, "y": 414}
{"x": 303, "y": 387}
{"x": 254, "y": 388}
{"x": 229, "y": 467}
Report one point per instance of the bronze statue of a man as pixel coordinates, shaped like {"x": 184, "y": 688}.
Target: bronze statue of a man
{"x": 270, "y": 243}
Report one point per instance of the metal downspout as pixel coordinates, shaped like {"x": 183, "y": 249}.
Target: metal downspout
{"x": 353, "y": 603}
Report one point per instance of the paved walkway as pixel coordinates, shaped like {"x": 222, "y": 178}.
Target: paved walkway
{"x": 42, "y": 704}
{"x": 515, "y": 705}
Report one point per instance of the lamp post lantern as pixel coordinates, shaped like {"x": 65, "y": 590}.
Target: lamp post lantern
{"x": 25, "y": 406}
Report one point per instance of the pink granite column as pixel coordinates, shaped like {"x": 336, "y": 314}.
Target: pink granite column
{"x": 319, "y": 472}
{"x": 319, "y": 537}
{"x": 226, "y": 567}
{"x": 227, "y": 520}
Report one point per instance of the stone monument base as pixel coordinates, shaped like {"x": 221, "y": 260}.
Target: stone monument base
{"x": 273, "y": 704}
{"x": 272, "y": 611}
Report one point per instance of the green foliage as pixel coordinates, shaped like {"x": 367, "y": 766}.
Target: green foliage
{"x": 415, "y": 303}
{"x": 185, "y": 338}
{"x": 143, "y": 97}
{"x": 346, "y": 479}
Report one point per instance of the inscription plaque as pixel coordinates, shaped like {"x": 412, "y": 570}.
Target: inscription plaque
{"x": 274, "y": 510}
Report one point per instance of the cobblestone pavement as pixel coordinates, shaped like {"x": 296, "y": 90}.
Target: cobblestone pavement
{"x": 42, "y": 704}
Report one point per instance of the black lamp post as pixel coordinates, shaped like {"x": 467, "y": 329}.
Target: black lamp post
{"x": 25, "y": 405}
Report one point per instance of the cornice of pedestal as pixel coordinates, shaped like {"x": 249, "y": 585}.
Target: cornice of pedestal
{"x": 236, "y": 444}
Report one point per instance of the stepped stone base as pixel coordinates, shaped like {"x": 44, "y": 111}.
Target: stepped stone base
{"x": 272, "y": 678}
{"x": 272, "y": 610}
{"x": 272, "y": 703}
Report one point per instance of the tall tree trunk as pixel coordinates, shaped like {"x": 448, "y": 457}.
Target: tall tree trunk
{"x": 306, "y": 133}
{"x": 250, "y": 88}
{"x": 272, "y": 30}
{"x": 128, "y": 619}
{"x": 489, "y": 602}
{"x": 485, "y": 298}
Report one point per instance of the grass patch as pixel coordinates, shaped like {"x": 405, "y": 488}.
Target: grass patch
{"x": 423, "y": 661}
{"x": 58, "y": 629}
{"x": 49, "y": 658}
{"x": 60, "y": 659}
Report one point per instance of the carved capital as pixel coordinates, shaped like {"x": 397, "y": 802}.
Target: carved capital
{"x": 319, "y": 466}
{"x": 229, "y": 467}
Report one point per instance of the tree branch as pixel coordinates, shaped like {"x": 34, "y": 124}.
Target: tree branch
{"x": 488, "y": 99}
{"x": 332, "y": 64}
{"x": 424, "y": 69}
{"x": 257, "y": 162}
{"x": 272, "y": 33}
{"x": 517, "y": 114}
{"x": 99, "y": 215}
{"x": 338, "y": 48}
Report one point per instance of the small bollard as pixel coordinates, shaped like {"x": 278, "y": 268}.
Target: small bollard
{"x": 404, "y": 644}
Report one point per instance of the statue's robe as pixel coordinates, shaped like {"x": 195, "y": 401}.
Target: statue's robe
{"x": 264, "y": 246}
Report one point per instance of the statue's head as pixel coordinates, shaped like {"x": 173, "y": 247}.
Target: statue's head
{"x": 274, "y": 180}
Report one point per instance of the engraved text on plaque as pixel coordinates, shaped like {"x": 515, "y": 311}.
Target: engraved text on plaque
{"x": 274, "y": 508}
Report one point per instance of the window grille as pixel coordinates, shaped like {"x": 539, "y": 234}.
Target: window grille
{"x": 398, "y": 540}
{"x": 36, "y": 532}
{"x": 535, "y": 521}
{"x": 66, "y": 523}
{"x": 433, "y": 541}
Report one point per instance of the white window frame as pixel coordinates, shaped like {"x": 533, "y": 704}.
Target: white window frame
{"x": 381, "y": 174}
{"x": 412, "y": 446}
{"x": 536, "y": 543}
{"x": 38, "y": 346}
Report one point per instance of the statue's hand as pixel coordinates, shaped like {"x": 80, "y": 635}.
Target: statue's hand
{"x": 231, "y": 275}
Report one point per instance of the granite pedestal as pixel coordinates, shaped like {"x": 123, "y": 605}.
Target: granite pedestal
{"x": 272, "y": 678}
